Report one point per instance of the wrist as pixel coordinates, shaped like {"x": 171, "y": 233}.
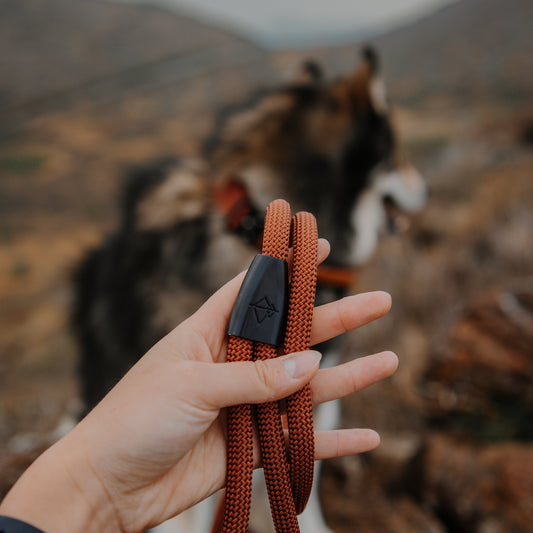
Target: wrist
{"x": 59, "y": 494}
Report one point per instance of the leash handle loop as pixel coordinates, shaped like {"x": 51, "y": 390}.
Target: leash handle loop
{"x": 255, "y": 331}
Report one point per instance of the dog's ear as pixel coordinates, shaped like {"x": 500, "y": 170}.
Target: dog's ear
{"x": 312, "y": 71}
{"x": 370, "y": 57}
{"x": 364, "y": 88}
{"x": 377, "y": 93}
{"x": 309, "y": 72}
{"x": 181, "y": 195}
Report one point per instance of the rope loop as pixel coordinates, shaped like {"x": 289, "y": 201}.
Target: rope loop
{"x": 288, "y": 468}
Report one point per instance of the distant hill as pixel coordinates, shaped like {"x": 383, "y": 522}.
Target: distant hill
{"x": 53, "y": 50}
{"x": 469, "y": 49}
{"x": 52, "y": 46}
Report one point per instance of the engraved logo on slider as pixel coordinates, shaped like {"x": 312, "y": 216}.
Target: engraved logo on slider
{"x": 263, "y": 309}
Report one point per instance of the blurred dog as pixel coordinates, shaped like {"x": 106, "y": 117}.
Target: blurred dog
{"x": 188, "y": 226}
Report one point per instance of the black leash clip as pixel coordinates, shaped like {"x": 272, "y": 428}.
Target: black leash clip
{"x": 260, "y": 311}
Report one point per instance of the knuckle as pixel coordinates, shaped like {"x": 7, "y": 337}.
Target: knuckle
{"x": 265, "y": 377}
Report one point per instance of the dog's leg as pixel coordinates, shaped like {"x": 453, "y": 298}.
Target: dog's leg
{"x": 327, "y": 417}
{"x": 260, "y": 516}
{"x": 311, "y": 520}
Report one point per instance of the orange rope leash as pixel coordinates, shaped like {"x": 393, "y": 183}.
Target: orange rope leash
{"x": 288, "y": 472}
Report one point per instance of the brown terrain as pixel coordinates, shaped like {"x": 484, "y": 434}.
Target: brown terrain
{"x": 88, "y": 88}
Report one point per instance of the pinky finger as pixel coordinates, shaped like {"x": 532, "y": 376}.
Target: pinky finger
{"x": 342, "y": 442}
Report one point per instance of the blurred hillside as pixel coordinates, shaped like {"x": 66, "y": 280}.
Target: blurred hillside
{"x": 54, "y": 48}
{"x": 88, "y": 88}
{"x": 473, "y": 51}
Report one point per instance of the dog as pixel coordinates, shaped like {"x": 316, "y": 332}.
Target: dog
{"x": 188, "y": 225}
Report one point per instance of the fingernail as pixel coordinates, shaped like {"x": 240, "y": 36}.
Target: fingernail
{"x": 299, "y": 364}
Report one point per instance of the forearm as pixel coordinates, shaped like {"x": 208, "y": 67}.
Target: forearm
{"x": 50, "y": 496}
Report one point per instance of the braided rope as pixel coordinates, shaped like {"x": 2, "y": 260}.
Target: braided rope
{"x": 240, "y": 456}
{"x": 288, "y": 474}
{"x": 297, "y": 339}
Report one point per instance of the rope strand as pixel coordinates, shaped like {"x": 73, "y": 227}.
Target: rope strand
{"x": 288, "y": 473}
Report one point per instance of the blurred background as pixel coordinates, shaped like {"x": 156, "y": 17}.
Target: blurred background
{"x": 88, "y": 87}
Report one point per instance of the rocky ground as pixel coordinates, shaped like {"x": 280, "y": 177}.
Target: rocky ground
{"x": 457, "y": 451}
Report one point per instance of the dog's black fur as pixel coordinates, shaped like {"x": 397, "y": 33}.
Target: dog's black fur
{"x": 325, "y": 182}
{"x": 112, "y": 311}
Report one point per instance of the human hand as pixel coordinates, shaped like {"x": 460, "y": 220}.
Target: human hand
{"x": 156, "y": 444}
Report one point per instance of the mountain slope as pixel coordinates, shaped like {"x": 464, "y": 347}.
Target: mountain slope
{"x": 469, "y": 47}
{"x": 49, "y": 46}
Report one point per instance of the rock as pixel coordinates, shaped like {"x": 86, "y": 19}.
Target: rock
{"x": 482, "y": 386}
{"x": 362, "y": 493}
{"x": 476, "y": 489}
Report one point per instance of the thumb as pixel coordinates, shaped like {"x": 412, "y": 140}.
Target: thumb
{"x": 235, "y": 383}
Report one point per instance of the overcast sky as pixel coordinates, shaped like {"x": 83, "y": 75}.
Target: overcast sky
{"x": 305, "y": 22}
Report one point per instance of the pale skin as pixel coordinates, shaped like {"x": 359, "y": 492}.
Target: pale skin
{"x": 155, "y": 445}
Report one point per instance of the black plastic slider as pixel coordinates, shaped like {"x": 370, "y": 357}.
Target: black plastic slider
{"x": 260, "y": 310}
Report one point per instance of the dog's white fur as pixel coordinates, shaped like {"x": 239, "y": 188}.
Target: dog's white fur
{"x": 409, "y": 191}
